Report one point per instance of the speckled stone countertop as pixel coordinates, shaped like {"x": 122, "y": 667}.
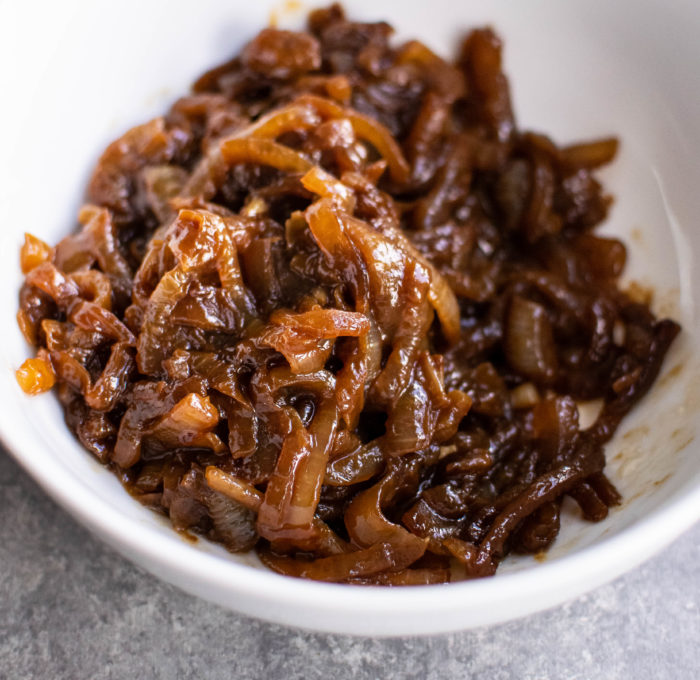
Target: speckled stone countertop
{"x": 72, "y": 608}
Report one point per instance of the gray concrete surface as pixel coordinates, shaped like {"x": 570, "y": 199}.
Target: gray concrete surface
{"x": 72, "y": 608}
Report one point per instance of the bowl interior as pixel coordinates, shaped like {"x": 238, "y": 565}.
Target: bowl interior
{"x": 577, "y": 70}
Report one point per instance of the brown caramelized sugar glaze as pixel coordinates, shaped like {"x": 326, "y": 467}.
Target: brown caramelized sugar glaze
{"x": 336, "y": 307}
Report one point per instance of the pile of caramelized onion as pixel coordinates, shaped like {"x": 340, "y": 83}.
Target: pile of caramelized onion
{"x": 336, "y": 307}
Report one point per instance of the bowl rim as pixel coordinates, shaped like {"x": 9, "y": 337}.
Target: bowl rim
{"x": 533, "y": 589}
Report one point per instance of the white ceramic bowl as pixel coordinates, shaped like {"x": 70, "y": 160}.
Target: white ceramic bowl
{"x": 79, "y": 73}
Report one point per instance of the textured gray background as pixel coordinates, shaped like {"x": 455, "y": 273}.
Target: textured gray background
{"x": 72, "y": 608}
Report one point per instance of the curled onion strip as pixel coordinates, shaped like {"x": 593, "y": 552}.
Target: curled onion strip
{"x": 263, "y": 152}
{"x": 323, "y": 540}
{"x": 294, "y": 489}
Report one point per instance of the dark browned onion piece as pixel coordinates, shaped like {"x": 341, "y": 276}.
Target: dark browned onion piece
{"x": 590, "y": 154}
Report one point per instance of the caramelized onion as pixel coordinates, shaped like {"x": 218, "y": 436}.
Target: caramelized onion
{"x": 263, "y": 152}
{"x": 336, "y": 307}
{"x": 36, "y": 376}
{"x": 529, "y": 344}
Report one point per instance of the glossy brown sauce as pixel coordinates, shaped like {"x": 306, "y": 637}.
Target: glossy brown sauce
{"x": 335, "y": 306}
